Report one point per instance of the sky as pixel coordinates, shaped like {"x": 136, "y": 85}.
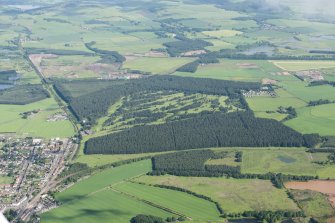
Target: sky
{"x": 320, "y": 7}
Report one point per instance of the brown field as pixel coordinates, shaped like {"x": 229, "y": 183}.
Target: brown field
{"x": 269, "y": 81}
{"x": 247, "y": 65}
{"x": 322, "y": 186}
{"x": 193, "y": 53}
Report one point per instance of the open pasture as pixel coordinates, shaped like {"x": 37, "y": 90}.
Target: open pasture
{"x": 318, "y": 119}
{"x": 268, "y": 103}
{"x": 234, "y": 195}
{"x": 236, "y": 70}
{"x": 91, "y": 201}
{"x": 104, "y": 206}
{"x": 188, "y": 205}
{"x": 301, "y": 90}
{"x": 36, "y": 124}
{"x": 287, "y": 161}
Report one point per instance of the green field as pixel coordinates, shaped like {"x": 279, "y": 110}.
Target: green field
{"x": 188, "y": 205}
{"x": 234, "y": 195}
{"x": 237, "y": 70}
{"x": 267, "y": 103}
{"x": 303, "y": 65}
{"x": 319, "y": 119}
{"x": 37, "y": 124}
{"x": 156, "y": 65}
{"x": 107, "y": 196}
{"x": 92, "y": 201}
{"x": 288, "y": 161}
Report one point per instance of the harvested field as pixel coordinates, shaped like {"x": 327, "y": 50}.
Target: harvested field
{"x": 247, "y": 65}
{"x": 269, "y": 81}
{"x": 322, "y": 186}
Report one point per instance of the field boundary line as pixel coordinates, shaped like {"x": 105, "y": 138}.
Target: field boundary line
{"x": 150, "y": 203}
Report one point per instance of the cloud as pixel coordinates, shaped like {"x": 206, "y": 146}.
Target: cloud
{"x": 308, "y": 7}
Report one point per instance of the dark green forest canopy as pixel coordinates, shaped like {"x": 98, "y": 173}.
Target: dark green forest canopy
{"x": 95, "y": 104}
{"x": 23, "y": 94}
{"x": 237, "y": 129}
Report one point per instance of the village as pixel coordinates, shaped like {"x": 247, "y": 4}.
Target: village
{"x": 31, "y": 164}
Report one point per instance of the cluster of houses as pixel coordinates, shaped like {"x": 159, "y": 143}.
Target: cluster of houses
{"x": 30, "y": 162}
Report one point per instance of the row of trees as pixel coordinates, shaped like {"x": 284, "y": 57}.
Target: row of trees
{"x": 238, "y": 129}
{"x": 107, "y": 56}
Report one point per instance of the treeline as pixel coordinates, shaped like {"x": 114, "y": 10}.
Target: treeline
{"x": 57, "y": 52}
{"x": 266, "y": 216}
{"x": 141, "y": 218}
{"x": 322, "y": 150}
{"x": 107, "y": 56}
{"x": 320, "y": 102}
{"x": 238, "y": 129}
{"x": 23, "y": 94}
{"x": 322, "y": 51}
{"x": 324, "y": 82}
{"x": 218, "y": 206}
{"x": 94, "y": 105}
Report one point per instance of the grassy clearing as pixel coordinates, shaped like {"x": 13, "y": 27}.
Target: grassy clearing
{"x": 318, "y": 119}
{"x": 37, "y": 124}
{"x": 156, "y": 65}
{"x": 236, "y": 70}
{"x": 288, "y": 161}
{"x": 234, "y": 195}
{"x": 303, "y": 65}
{"x": 189, "y": 205}
{"x": 5, "y": 180}
{"x": 314, "y": 204}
